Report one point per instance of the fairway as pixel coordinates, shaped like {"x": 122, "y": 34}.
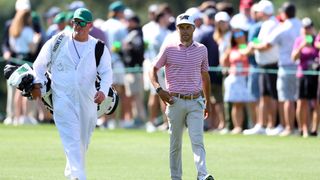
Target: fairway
{"x": 35, "y": 153}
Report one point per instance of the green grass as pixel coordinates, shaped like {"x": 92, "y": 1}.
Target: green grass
{"x": 35, "y": 152}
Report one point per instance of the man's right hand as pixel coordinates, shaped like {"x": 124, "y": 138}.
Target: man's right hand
{"x": 36, "y": 91}
{"x": 165, "y": 97}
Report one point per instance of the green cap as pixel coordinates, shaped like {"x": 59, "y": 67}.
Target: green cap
{"x": 69, "y": 16}
{"x": 83, "y": 14}
{"x": 117, "y": 6}
{"x": 59, "y": 18}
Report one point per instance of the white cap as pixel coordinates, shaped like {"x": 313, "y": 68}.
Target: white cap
{"x": 222, "y": 16}
{"x": 306, "y": 22}
{"x": 75, "y": 5}
{"x": 240, "y": 21}
{"x": 184, "y": 19}
{"x": 152, "y": 8}
{"x": 265, "y": 6}
{"x": 195, "y": 13}
{"x": 23, "y": 5}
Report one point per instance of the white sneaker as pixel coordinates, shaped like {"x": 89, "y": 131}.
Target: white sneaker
{"x": 163, "y": 127}
{"x": 150, "y": 128}
{"x": 112, "y": 124}
{"x": 8, "y": 121}
{"x": 29, "y": 120}
{"x": 257, "y": 129}
{"x": 224, "y": 131}
{"x": 127, "y": 124}
{"x": 100, "y": 122}
{"x": 274, "y": 131}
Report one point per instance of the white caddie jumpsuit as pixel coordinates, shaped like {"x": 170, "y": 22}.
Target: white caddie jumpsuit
{"x": 73, "y": 90}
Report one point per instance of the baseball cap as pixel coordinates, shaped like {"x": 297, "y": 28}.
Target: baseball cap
{"x": 23, "y": 5}
{"x": 83, "y": 14}
{"x": 152, "y": 8}
{"x": 246, "y": 4}
{"x": 59, "y": 18}
{"x": 117, "y": 6}
{"x": 265, "y": 6}
{"x": 195, "y": 13}
{"x": 184, "y": 19}
{"x": 76, "y": 5}
{"x": 307, "y": 22}
{"x": 54, "y": 10}
{"x": 222, "y": 16}
{"x": 207, "y": 5}
{"x": 210, "y": 13}
{"x": 239, "y": 21}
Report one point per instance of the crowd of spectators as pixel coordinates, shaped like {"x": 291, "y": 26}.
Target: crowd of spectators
{"x": 263, "y": 62}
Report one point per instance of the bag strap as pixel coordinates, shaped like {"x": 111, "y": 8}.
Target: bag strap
{"x": 59, "y": 42}
{"x": 99, "y": 51}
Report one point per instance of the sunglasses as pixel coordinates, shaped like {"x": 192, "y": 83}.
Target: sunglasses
{"x": 80, "y": 23}
{"x": 238, "y": 34}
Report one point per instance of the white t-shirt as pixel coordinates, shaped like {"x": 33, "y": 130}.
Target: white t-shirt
{"x": 21, "y": 43}
{"x": 284, "y": 36}
{"x": 271, "y": 55}
{"x": 76, "y": 49}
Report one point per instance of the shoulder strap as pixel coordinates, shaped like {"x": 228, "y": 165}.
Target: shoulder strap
{"x": 58, "y": 42}
{"x": 99, "y": 51}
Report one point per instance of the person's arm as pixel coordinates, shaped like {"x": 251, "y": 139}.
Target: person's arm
{"x": 164, "y": 95}
{"x": 297, "y": 47}
{"x": 206, "y": 87}
{"x": 40, "y": 68}
{"x": 160, "y": 62}
{"x": 261, "y": 46}
{"x": 5, "y": 42}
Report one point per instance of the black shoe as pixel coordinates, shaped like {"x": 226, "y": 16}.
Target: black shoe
{"x": 208, "y": 177}
{"x": 315, "y": 133}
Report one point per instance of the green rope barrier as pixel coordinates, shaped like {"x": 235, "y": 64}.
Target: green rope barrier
{"x": 211, "y": 69}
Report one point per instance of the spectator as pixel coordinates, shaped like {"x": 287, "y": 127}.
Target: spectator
{"x": 306, "y": 54}
{"x": 206, "y": 38}
{"x": 133, "y": 51}
{"x": 253, "y": 77}
{"x": 222, "y": 35}
{"x": 23, "y": 42}
{"x": 155, "y": 39}
{"x": 267, "y": 60}
{"x": 235, "y": 84}
{"x": 197, "y": 15}
{"x": 116, "y": 31}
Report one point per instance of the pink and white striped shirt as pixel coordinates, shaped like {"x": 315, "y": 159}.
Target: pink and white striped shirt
{"x": 183, "y": 66}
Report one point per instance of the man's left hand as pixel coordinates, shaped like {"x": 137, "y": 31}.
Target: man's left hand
{"x": 99, "y": 97}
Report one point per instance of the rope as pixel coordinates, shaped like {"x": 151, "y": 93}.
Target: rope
{"x": 211, "y": 69}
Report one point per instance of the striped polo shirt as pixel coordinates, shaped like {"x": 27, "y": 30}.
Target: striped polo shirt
{"x": 183, "y": 66}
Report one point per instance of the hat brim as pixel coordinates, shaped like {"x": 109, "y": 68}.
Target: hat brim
{"x": 184, "y": 22}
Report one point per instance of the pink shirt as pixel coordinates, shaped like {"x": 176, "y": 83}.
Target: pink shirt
{"x": 239, "y": 63}
{"x": 183, "y": 66}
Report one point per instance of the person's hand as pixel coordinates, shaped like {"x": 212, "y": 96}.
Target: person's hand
{"x": 165, "y": 97}
{"x": 207, "y": 110}
{"x": 36, "y": 92}
{"x": 99, "y": 97}
{"x": 7, "y": 55}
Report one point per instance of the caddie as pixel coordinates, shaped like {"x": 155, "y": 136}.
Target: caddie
{"x": 71, "y": 60}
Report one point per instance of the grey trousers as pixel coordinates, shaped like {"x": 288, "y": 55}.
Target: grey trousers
{"x": 181, "y": 114}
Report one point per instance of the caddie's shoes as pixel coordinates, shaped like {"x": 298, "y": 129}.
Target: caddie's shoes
{"x": 208, "y": 177}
